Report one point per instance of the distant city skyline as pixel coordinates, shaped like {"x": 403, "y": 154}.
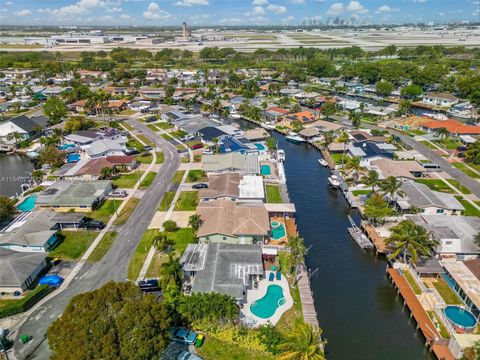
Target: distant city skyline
{"x": 234, "y": 12}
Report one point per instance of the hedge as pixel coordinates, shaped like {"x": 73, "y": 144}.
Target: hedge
{"x": 14, "y": 307}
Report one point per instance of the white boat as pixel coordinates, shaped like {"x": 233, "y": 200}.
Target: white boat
{"x": 293, "y": 137}
{"x": 334, "y": 181}
{"x": 235, "y": 115}
{"x": 462, "y": 114}
{"x": 280, "y": 155}
{"x": 268, "y": 126}
{"x": 323, "y": 162}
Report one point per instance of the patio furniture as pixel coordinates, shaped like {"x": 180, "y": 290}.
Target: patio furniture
{"x": 279, "y": 275}
{"x": 271, "y": 276}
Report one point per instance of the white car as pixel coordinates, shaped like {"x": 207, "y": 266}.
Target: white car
{"x": 207, "y": 152}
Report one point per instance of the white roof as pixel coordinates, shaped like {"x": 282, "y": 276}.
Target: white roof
{"x": 465, "y": 278}
{"x": 286, "y": 207}
{"x": 467, "y": 139}
{"x": 251, "y": 186}
{"x": 269, "y": 251}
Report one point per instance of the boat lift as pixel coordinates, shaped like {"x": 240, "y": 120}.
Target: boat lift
{"x": 357, "y": 234}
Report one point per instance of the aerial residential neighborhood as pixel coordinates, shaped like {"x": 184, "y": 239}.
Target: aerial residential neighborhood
{"x": 301, "y": 188}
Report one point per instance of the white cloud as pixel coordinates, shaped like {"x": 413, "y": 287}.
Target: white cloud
{"x": 24, "y": 12}
{"x": 79, "y": 8}
{"x": 257, "y": 10}
{"x": 199, "y": 17}
{"x": 124, "y": 16}
{"x": 8, "y": 3}
{"x": 230, "y": 20}
{"x": 386, "y": 9}
{"x": 277, "y": 9}
{"x": 189, "y": 3}
{"x": 259, "y": 2}
{"x": 355, "y": 6}
{"x": 419, "y": 1}
{"x": 115, "y": 9}
{"x": 288, "y": 18}
{"x": 154, "y": 12}
{"x": 336, "y": 9}
{"x": 106, "y": 18}
{"x": 297, "y": 1}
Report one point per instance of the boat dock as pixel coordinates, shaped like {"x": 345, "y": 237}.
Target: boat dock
{"x": 358, "y": 235}
{"x": 306, "y": 297}
{"x": 377, "y": 240}
{"x": 434, "y": 340}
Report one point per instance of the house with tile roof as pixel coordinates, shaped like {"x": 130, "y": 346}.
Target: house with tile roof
{"x": 454, "y": 127}
{"x": 305, "y": 117}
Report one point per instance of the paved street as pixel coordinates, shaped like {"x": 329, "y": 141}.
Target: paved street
{"x": 115, "y": 263}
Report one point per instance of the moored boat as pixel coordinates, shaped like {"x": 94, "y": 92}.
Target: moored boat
{"x": 293, "y": 137}
{"x": 323, "y": 162}
{"x": 334, "y": 181}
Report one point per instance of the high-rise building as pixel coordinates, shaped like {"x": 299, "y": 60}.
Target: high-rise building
{"x": 184, "y": 30}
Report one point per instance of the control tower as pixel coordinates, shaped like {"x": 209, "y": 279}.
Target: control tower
{"x": 184, "y": 30}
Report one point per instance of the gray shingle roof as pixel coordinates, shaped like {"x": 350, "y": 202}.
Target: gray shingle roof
{"x": 16, "y": 267}
{"x": 420, "y": 196}
{"x": 70, "y": 193}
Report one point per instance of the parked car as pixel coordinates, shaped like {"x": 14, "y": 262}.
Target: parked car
{"x": 207, "y": 152}
{"x": 151, "y": 119}
{"x": 93, "y": 224}
{"x": 147, "y": 148}
{"x": 185, "y": 355}
{"x": 196, "y": 146}
{"x": 132, "y": 152}
{"x": 462, "y": 148}
{"x": 183, "y": 335}
{"x": 119, "y": 193}
{"x": 200, "y": 186}
{"x": 149, "y": 286}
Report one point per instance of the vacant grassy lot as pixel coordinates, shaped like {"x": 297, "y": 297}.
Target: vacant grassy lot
{"x": 105, "y": 212}
{"x": 187, "y": 201}
{"x": 177, "y": 177}
{"x": 273, "y": 194}
{"x": 197, "y": 176}
{"x": 166, "y": 201}
{"x": 147, "y": 181}
{"x": 126, "y": 211}
{"x": 140, "y": 254}
{"x": 470, "y": 210}
{"x": 127, "y": 181}
{"x": 74, "y": 244}
{"x": 103, "y": 246}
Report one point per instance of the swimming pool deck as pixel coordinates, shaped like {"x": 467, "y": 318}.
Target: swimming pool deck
{"x": 254, "y": 295}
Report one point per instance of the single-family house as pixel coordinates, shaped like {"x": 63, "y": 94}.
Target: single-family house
{"x": 232, "y": 162}
{"x": 256, "y": 134}
{"x": 105, "y": 147}
{"x": 440, "y": 99}
{"x": 304, "y": 117}
{"x": 404, "y": 169}
{"x": 26, "y": 127}
{"x": 18, "y": 270}
{"x": 454, "y": 127}
{"x": 274, "y": 113}
{"x": 221, "y": 186}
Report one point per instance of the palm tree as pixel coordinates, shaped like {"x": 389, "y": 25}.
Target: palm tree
{"x": 410, "y": 238}
{"x": 353, "y": 165}
{"x": 106, "y": 173}
{"x": 297, "y": 252}
{"x": 371, "y": 179}
{"x": 473, "y": 153}
{"x": 195, "y": 221}
{"x": 442, "y": 133}
{"x": 391, "y": 187}
{"x": 328, "y": 137}
{"x": 171, "y": 269}
{"x": 303, "y": 344}
{"x": 343, "y": 138}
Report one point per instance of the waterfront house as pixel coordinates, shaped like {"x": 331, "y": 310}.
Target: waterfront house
{"x": 105, "y": 147}
{"x": 232, "y": 162}
{"x": 369, "y": 151}
{"x": 82, "y": 137}
{"x": 403, "y": 169}
{"x": 207, "y": 134}
{"x": 324, "y": 126}
{"x": 440, "y": 99}
{"x": 18, "y": 270}
{"x": 274, "y": 113}
{"x": 359, "y": 136}
{"x": 228, "y": 269}
{"x": 251, "y": 189}
{"x": 256, "y": 134}
{"x": 225, "y": 221}
{"x": 92, "y": 169}
{"x": 420, "y": 197}
{"x": 192, "y": 124}
{"x": 454, "y": 127}
{"x": 26, "y": 127}
{"x": 78, "y": 196}
{"x": 304, "y": 117}
{"x": 221, "y": 186}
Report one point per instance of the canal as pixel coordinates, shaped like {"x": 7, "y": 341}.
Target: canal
{"x": 13, "y": 171}
{"x": 358, "y": 309}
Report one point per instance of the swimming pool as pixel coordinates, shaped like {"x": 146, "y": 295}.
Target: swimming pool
{"x": 28, "y": 204}
{"x": 259, "y": 146}
{"x": 265, "y": 170}
{"x": 267, "y": 305}
{"x": 72, "y": 158}
{"x": 278, "y": 230}
{"x": 66, "y": 146}
{"x": 460, "y": 317}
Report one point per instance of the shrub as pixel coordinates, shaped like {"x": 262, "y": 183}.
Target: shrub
{"x": 211, "y": 307}
{"x": 270, "y": 337}
{"x": 170, "y": 226}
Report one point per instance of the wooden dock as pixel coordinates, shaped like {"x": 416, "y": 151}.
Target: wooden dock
{"x": 377, "y": 240}
{"x": 434, "y": 340}
{"x": 306, "y": 297}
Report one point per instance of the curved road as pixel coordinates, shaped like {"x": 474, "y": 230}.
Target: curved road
{"x": 114, "y": 264}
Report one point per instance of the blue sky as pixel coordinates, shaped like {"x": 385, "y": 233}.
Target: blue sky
{"x": 231, "y": 12}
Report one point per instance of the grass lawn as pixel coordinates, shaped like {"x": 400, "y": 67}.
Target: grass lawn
{"x": 197, "y": 158}
{"x": 177, "y": 177}
{"x": 428, "y": 145}
{"x": 140, "y": 254}
{"x": 147, "y": 181}
{"x": 185, "y": 159}
{"x": 463, "y": 189}
{"x": 213, "y": 349}
{"x": 411, "y": 281}
{"x": 470, "y": 210}
{"x": 145, "y": 140}
{"x": 145, "y": 158}
{"x": 126, "y": 211}
{"x": 178, "y": 134}
{"x": 74, "y": 244}
{"x": 273, "y": 194}
{"x": 127, "y": 181}
{"x": 103, "y": 246}
{"x": 154, "y": 269}
{"x": 152, "y": 127}
{"x": 134, "y": 143}
{"x": 197, "y": 176}
{"x": 105, "y": 212}
{"x": 182, "y": 238}
{"x": 436, "y": 185}
{"x": 166, "y": 201}
{"x": 462, "y": 167}
{"x": 449, "y": 144}
{"x": 160, "y": 157}
{"x": 166, "y": 137}
{"x": 438, "y": 324}
{"x": 127, "y": 112}
{"x": 361, "y": 192}
{"x": 20, "y": 303}
{"x": 164, "y": 125}
{"x": 187, "y": 201}
{"x": 446, "y": 293}
{"x": 337, "y": 158}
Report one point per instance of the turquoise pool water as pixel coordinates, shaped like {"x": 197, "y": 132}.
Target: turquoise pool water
{"x": 278, "y": 230}
{"x": 265, "y": 170}
{"x": 460, "y": 316}
{"x": 267, "y": 305}
{"x": 259, "y": 146}
{"x": 28, "y": 204}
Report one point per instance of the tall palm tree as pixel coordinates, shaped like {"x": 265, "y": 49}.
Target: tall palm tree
{"x": 412, "y": 239}
{"x": 473, "y": 153}
{"x": 343, "y": 138}
{"x": 328, "y": 137}
{"x": 353, "y": 165}
{"x": 195, "y": 221}
{"x": 371, "y": 179}
{"x": 297, "y": 252}
{"x": 442, "y": 133}
{"x": 171, "y": 269}
{"x": 303, "y": 344}
{"x": 391, "y": 187}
